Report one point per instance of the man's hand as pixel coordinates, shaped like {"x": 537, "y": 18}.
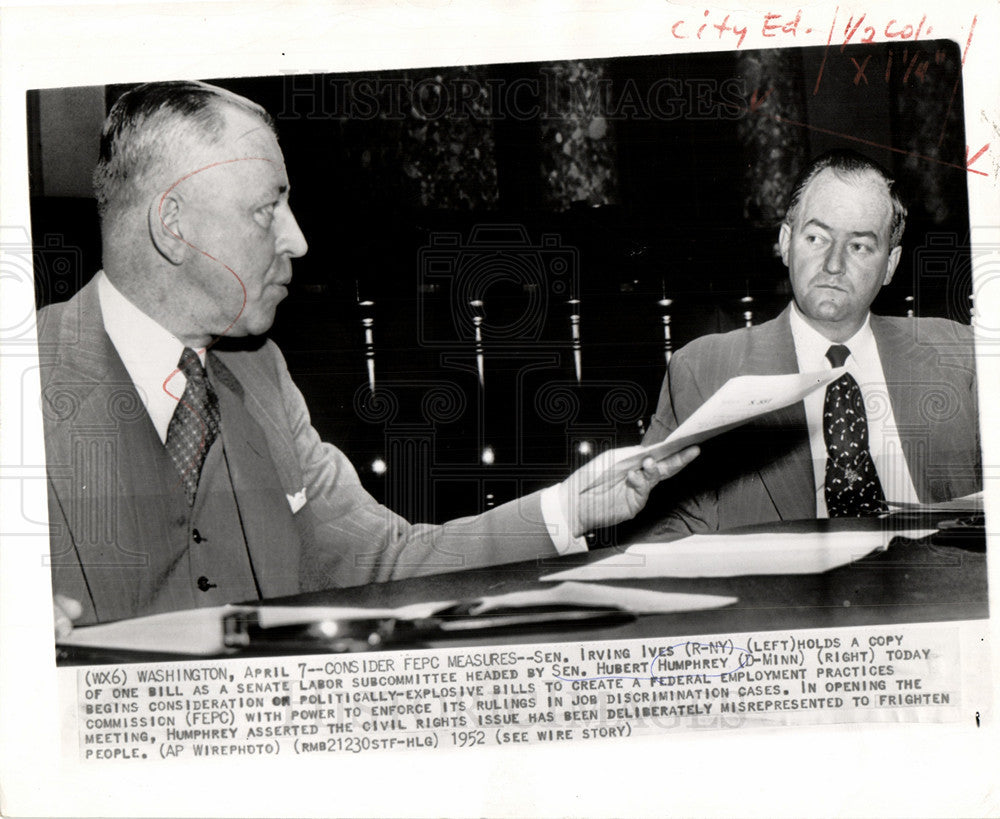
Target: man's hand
{"x": 64, "y": 611}
{"x": 607, "y": 503}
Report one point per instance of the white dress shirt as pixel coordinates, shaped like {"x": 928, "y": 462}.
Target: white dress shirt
{"x": 865, "y": 365}
{"x": 151, "y": 353}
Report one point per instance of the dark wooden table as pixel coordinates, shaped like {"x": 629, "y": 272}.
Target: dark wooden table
{"x": 933, "y": 579}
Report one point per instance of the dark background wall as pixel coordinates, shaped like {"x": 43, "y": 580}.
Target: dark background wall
{"x": 615, "y": 182}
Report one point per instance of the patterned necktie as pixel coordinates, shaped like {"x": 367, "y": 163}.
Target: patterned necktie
{"x": 853, "y": 489}
{"x": 194, "y": 425}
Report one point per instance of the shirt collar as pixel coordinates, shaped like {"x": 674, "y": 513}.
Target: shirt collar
{"x": 149, "y": 352}
{"x": 811, "y": 345}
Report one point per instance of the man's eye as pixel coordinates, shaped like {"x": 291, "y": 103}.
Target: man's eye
{"x": 814, "y": 239}
{"x": 265, "y": 215}
{"x": 860, "y": 248}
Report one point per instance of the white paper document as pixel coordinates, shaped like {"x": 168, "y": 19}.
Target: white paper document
{"x": 199, "y": 631}
{"x": 735, "y": 555}
{"x": 737, "y": 401}
{"x": 969, "y": 504}
{"x": 638, "y": 601}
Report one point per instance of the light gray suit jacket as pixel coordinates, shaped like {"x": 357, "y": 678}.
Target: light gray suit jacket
{"x": 763, "y": 471}
{"x": 108, "y": 475}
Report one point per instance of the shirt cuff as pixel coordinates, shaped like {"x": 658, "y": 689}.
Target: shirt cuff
{"x": 557, "y": 522}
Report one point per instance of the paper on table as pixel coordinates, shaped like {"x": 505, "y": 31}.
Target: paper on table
{"x": 638, "y": 601}
{"x": 192, "y": 631}
{"x": 199, "y": 631}
{"x": 271, "y": 616}
{"x": 735, "y": 555}
{"x": 734, "y": 403}
{"x": 969, "y": 504}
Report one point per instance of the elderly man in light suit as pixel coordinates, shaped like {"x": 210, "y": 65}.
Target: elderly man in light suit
{"x": 910, "y": 417}
{"x": 186, "y": 473}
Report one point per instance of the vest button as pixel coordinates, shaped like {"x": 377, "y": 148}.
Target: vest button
{"x": 204, "y": 585}
{"x": 196, "y": 536}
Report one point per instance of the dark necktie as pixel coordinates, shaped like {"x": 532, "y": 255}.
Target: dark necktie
{"x": 853, "y": 489}
{"x": 194, "y": 425}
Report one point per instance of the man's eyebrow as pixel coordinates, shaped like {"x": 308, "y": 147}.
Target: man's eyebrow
{"x": 269, "y": 195}
{"x": 819, "y": 224}
{"x": 855, "y": 233}
{"x": 277, "y": 191}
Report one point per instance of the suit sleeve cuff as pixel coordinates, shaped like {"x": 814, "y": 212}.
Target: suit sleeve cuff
{"x": 557, "y": 523}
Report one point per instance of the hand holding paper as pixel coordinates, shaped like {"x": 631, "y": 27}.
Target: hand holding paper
{"x": 737, "y": 401}
{"x": 64, "y": 611}
{"x": 599, "y": 494}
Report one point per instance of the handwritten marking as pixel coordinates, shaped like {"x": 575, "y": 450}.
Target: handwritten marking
{"x": 954, "y": 89}
{"x": 870, "y": 143}
{"x": 850, "y": 32}
{"x": 860, "y": 75}
{"x": 829, "y": 39}
{"x": 756, "y": 102}
{"x": 786, "y": 28}
{"x": 913, "y": 62}
{"x": 981, "y": 151}
{"x": 873, "y": 144}
{"x": 243, "y": 304}
{"x": 722, "y": 28}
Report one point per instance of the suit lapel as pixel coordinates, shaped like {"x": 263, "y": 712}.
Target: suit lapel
{"x": 259, "y": 486}
{"x": 106, "y": 463}
{"x": 907, "y": 367}
{"x": 788, "y": 476}
{"x": 115, "y": 483}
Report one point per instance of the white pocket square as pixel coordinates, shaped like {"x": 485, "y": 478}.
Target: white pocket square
{"x": 298, "y": 500}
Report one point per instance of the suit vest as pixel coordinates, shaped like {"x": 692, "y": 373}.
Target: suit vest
{"x": 125, "y": 543}
{"x": 207, "y": 558}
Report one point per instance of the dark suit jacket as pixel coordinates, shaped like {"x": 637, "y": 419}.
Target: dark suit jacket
{"x": 108, "y": 473}
{"x": 763, "y": 471}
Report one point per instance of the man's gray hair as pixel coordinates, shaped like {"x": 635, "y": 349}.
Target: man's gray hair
{"x": 151, "y": 129}
{"x": 849, "y": 163}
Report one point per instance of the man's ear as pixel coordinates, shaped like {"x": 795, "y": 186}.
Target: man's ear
{"x": 784, "y": 239}
{"x": 165, "y": 228}
{"x": 890, "y": 266}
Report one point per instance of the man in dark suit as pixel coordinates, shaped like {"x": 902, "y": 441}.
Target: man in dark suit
{"x": 903, "y": 427}
{"x": 183, "y": 473}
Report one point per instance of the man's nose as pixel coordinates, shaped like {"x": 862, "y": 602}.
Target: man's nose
{"x": 834, "y": 261}
{"x": 290, "y": 239}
